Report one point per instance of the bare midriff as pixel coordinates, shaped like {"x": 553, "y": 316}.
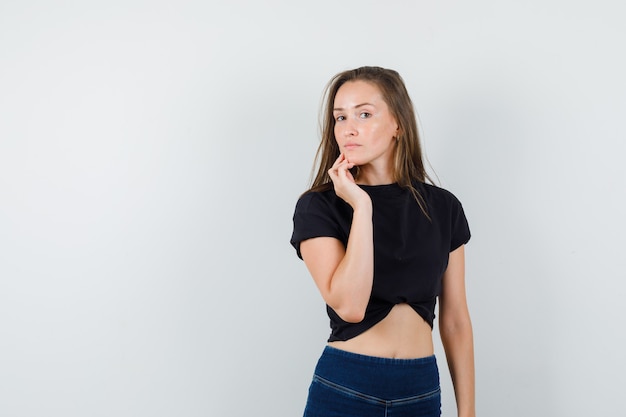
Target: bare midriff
{"x": 403, "y": 334}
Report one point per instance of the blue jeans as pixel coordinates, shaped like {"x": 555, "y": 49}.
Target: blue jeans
{"x": 351, "y": 385}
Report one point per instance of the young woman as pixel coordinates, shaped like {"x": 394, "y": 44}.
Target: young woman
{"x": 381, "y": 245}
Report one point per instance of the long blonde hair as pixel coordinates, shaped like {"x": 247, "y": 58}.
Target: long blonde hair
{"x": 408, "y": 164}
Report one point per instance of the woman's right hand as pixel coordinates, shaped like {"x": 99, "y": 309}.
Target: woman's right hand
{"x": 344, "y": 272}
{"x": 345, "y": 185}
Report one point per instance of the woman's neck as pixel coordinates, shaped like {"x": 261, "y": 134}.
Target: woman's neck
{"x": 369, "y": 175}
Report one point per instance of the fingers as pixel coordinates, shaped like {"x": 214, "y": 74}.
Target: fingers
{"x": 341, "y": 169}
{"x": 333, "y": 170}
{"x": 342, "y": 161}
{"x": 338, "y": 161}
{"x": 343, "y": 182}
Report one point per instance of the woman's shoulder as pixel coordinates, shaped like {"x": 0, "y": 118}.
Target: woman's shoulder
{"x": 435, "y": 191}
{"x": 315, "y": 199}
{"x": 438, "y": 197}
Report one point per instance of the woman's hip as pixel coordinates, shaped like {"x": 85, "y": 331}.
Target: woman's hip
{"x": 350, "y": 384}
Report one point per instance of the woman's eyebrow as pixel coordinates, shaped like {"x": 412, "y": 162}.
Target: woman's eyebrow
{"x": 356, "y": 107}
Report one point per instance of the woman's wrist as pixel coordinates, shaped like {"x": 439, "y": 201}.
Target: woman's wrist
{"x": 363, "y": 205}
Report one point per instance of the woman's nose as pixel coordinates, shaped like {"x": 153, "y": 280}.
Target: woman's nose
{"x": 349, "y": 128}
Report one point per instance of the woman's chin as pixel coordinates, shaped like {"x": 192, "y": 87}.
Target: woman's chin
{"x": 354, "y": 160}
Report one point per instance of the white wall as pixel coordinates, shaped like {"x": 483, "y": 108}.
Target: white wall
{"x": 151, "y": 154}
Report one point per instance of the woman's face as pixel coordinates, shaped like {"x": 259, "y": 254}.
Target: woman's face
{"x": 365, "y": 130}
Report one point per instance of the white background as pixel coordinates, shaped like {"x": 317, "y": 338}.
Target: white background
{"x": 151, "y": 153}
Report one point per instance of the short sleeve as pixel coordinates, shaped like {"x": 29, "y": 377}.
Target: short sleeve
{"x": 314, "y": 217}
{"x": 460, "y": 228}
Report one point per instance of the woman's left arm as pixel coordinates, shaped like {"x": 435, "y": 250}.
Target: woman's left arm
{"x": 455, "y": 328}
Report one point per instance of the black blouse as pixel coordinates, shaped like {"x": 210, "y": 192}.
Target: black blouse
{"x": 410, "y": 251}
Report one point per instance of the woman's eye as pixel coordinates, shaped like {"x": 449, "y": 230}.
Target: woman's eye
{"x": 340, "y": 118}
{"x": 365, "y": 115}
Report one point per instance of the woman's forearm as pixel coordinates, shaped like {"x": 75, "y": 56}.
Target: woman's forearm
{"x": 458, "y": 343}
{"x": 351, "y": 284}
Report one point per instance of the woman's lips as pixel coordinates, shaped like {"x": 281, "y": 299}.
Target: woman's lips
{"x": 349, "y": 146}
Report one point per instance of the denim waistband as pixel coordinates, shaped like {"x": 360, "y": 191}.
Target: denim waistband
{"x": 376, "y": 360}
{"x": 377, "y": 376}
